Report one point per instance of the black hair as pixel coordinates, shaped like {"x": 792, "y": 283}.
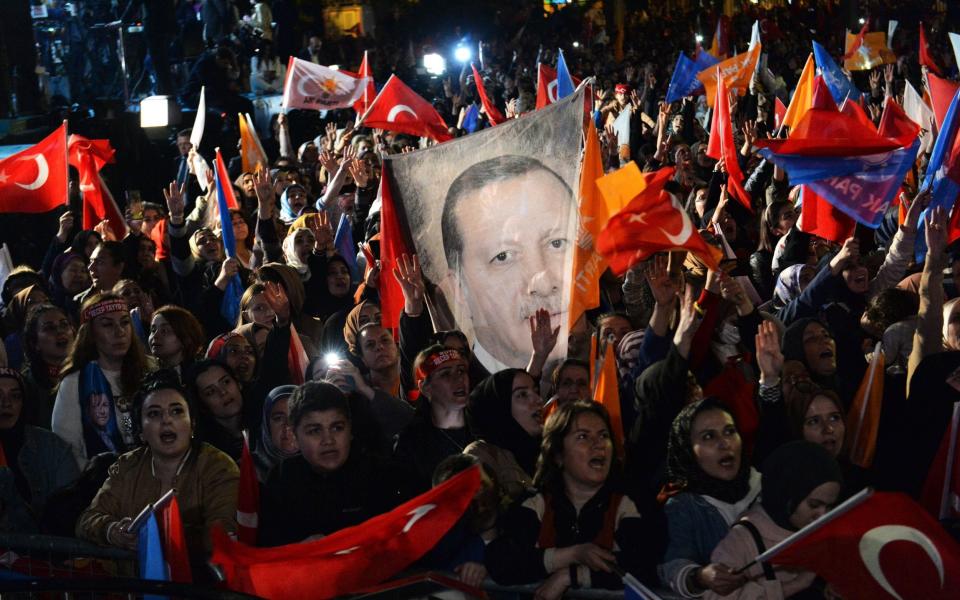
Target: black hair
{"x": 115, "y": 250}
{"x": 451, "y": 465}
{"x": 164, "y": 379}
{"x": 316, "y": 396}
{"x": 568, "y": 362}
{"x": 185, "y": 132}
{"x": 483, "y": 173}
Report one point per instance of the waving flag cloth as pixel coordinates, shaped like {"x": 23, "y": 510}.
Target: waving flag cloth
{"x": 493, "y": 113}
{"x": 779, "y": 112}
{"x": 684, "y": 80}
{"x": 802, "y": 98}
{"x": 174, "y": 542}
{"x": 352, "y": 558}
{"x": 230, "y": 305}
{"x": 864, "y": 414}
{"x": 943, "y": 170}
{"x": 248, "y": 498}
{"x": 853, "y": 109}
{"x": 343, "y": 242}
{"x": 88, "y": 157}
{"x": 894, "y": 123}
{"x": 565, "y": 85}
{"x": 840, "y": 86}
{"x": 35, "y": 180}
{"x": 317, "y": 87}
{"x": 921, "y": 114}
{"x": 721, "y": 144}
{"x": 150, "y": 552}
{"x": 941, "y": 490}
{"x": 369, "y": 89}
{"x": 955, "y": 42}
{"x": 547, "y": 85}
{"x": 607, "y": 393}
{"x": 866, "y": 51}
{"x": 822, "y": 219}
{"x": 925, "y": 58}
{"x": 398, "y": 108}
{"x": 252, "y": 154}
{"x": 736, "y": 72}
{"x": 720, "y": 45}
{"x": 653, "y": 221}
{"x": 876, "y": 545}
{"x": 942, "y": 92}
{"x": 594, "y": 213}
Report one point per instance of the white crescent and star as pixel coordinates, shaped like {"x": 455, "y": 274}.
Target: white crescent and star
{"x": 552, "y": 91}
{"x": 874, "y": 540}
{"x": 685, "y": 231}
{"x": 43, "y": 171}
{"x": 400, "y": 108}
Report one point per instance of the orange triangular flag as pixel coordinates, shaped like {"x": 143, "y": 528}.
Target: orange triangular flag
{"x": 607, "y": 393}
{"x": 737, "y": 72}
{"x": 863, "y": 420}
{"x": 251, "y": 150}
{"x": 803, "y": 96}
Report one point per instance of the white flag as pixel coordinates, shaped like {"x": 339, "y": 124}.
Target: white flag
{"x": 920, "y": 113}
{"x": 955, "y": 42}
{"x": 197, "y": 133}
{"x": 754, "y": 35}
{"x": 318, "y": 87}
{"x": 891, "y": 27}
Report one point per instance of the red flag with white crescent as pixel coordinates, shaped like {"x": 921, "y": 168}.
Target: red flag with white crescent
{"x": 398, "y": 108}
{"x": 88, "y": 157}
{"x": 35, "y": 180}
{"x": 369, "y": 90}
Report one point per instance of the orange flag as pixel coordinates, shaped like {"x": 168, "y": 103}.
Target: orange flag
{"x": 736, "y": 72}
{"x": 863, "y": 420}
{"x": 251, "y": 150}
{"x": 803, "y": 96}
{"x": 869, "y": 54}
{"x": 594, "y": 214}
{"x": 607, "y": 393}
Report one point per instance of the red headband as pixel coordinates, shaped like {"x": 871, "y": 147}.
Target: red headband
{"x": 436, "y": 361}
{"x": 622, "y": 88}
{"x": 101, "y": 308}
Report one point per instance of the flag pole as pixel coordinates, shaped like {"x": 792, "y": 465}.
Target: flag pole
{"x": 631, "y": 581}
{"x": 377, "y": 97}
{"x": 951, "y": 457}
{"x": 848, "y": 505}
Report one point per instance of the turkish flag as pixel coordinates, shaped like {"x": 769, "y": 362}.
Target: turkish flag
{"x": 317, "y": 87}
{"x": 351, "y": 558}
{"x": 885, "y": 547}
{"x": 942, "y": 92}
{"x": 248, "y": 498}
{"x": 496, "y": 117}
{"x": 369, "y": 90}
{"x": 925, "y": 58}
{"x": 547, "y": 85}
{"x": 652, "y": 222}
{"x": 393, "y": 245}
{"x": 398, "y": 108}
{"x": 35, "y": 180}
{"x": 779, "y": 112}
{"x": 894, "y": 123}
{"x": 822, "y": 219}
{"x": 174, "y": 543}
{"x": 88, "y": 157}
{"x": 721, "y": 144}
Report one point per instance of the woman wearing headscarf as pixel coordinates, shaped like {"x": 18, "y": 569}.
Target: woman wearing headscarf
{"x": 506, "y": 415}
{"x": 810, "y": 342}
{"x": 234, "y": 349}
{"x": 791, "y": 283}
{"x": 47, "y": 336}
{"x": 68, "y": 277}
{"x": 801, "y": 482}
{"x": 38, "y": 462}
{"x": 341, "y": 329}
{"x": 711, "y": 483}
{"x": 17, "y": 317}
{"x": 582, "y": 520}
{"x": 277, "y": 442}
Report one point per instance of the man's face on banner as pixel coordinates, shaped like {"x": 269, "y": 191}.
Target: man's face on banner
{"x": 515, "y": 234}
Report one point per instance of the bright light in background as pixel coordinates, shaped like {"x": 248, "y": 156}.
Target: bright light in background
{"x": 335, "y": 67}
{"x": 576, "y": 44}
{"x": 462, "y": 54}
{"x": 862, "y": 21}
{"x": 434, "y": 63}
{"x": 699, "y": 38}
{"x": 155, "y": 111}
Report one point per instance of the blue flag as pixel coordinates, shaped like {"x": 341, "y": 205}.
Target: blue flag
{"x": 634, "y": 590}
{"x": 684, "y": 80}
{"x": 564, "y": 80}
{"x": 471, "y": 119}
{"x": 150, "y": 554}
{"x": 840, "y": 87}
{"x": 943, "y": 172}
{"x": 230, "y": 305}
{"x": 343, "y": 242}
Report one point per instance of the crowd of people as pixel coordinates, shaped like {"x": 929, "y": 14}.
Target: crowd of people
{"x": 122, "y": 379}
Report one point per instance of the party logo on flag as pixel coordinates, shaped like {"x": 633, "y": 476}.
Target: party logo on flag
{"x": 317, "y": 87}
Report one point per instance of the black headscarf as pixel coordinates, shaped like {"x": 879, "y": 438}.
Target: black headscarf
{"x": 792, "y": 347}
{"x": 790, "y": 473}
{"x": 12, "y": 439}
{"x": 684, "y": 471}
{"x": 492, "y": 420}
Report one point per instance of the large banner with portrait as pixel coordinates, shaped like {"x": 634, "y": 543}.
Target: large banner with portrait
{"x": 493, "y": 219}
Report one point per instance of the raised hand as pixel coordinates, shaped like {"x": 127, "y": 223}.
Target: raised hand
{"x": 65, "y": 227}
{"x": 690, "y": 318}
{"x": 749, "y": 130}
{"x": 322, "y": 231}
{"x": 410, "y": 277}
{"x": 329, "y": 162}
{"x": 848, "y": 253}
{"x": 103, "y": 228}
{"x": 888, "y": 74}
{"x": 663, "y": 287}
{"x": 935, "y": 230}
{"x": 282, "y": 120}
{"x": 875, "y": 81}
{"x": 175, "y": 203}
{"x": 266, "y": 196}
{"x": 542, "y": 335}
{"x": 228, "y": 269}
{"x": 915, "y": 207}
{"x": 277, "y": 298}
{"x": 732, "y": 291}
{"x": 361, "y": 172}
{"x": 769, "y": 357}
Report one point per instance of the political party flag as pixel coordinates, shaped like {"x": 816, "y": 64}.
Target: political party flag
{"x": 252, "y": 154}
{"x": 150, "y": 552}
{"x": 493, "y": 113}
{"x": 565, "y": 84}
{"x": 547, "y": 85}
{"x": 316, "y": 87}
{"x": 863, "y": 419}
{"x": 870, "y": 53}
{"x": 594, "y": 212}
{"x": 885, "y": 546}
{"x": 88, "y": 157}
{"x": 736, "y": 71}
{"x": 941, "y": 490}
{"x": 684, "y": 80}
{"x": 841, "y": 88}
{"x": 398, "y": 108}
{"x": 891, "y": 27}
{"x": 894, "y": 123}
{"x": 369, "y": 89}
{"x": 471, "y": 118}
{"x": 925, "y": 58}
{"x": 350, "y": 559}
{"x": 754, "y": 35}
{"x": 852, "y": 108}
{"x": 653, "y": 221}
{"x": 607, "y": 393}
{"x": 343, "y": 242}
{"x": 921, "y": 114}
{"x": 955, "y": 42}
{"x": 248, "y": 498}
{"x": 199, "y": 121}
{"x": 942, "y": 92}
{"x": 802, "y": 98}
{"x": 943, "y": 169}
{"x": 174, "y": 543}
{"x": 393, "y": 245}
{"x": 35, "y": 180}
{"x": 779, "y": 112}
{"x": 720, "y": 45}
{"x": 721, "y": 144}
{"x": 230, "y": 304}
